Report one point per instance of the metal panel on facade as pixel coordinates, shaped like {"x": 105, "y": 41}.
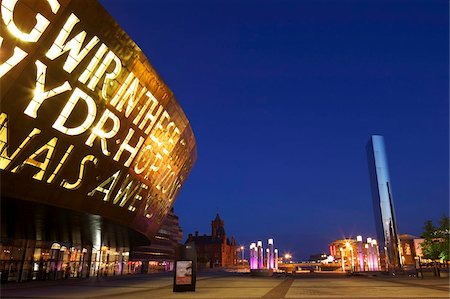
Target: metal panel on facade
{"x": 86, "y": 122}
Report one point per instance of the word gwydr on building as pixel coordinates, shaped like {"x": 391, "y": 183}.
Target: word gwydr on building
{"x": 94, "y": 146}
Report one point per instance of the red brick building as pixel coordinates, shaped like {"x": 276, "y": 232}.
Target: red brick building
{"x": 216, "y": 250}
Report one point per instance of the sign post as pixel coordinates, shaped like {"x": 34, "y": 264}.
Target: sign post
{"x": 185, "y": 270}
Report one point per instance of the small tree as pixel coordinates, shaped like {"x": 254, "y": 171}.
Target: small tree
{"x": 445, "y": 236}
{"x": 436, "y": 243}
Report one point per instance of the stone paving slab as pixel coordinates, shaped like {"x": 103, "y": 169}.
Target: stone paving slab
{"x": 233, "y": 286}
{"x": 229, "y": 287}
{"x": 366, "y": 292}
{"x": 367, "y": 288}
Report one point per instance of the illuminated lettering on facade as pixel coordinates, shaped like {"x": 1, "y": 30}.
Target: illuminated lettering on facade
{"x": 88, "y": 106}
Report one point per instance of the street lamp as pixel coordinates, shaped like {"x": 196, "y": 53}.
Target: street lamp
{"x": 349, "y": 246}
{"x": 275, "y": 252}
{"x": 360, "y": 253}
{"x": 353, "y": 262}
{"x": 242, "y": 252}
{"x": 287, "y": 257}
{"x": 342, "y": 259}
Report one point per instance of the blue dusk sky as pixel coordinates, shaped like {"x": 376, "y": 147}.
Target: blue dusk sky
{"x": 283, "y": 97}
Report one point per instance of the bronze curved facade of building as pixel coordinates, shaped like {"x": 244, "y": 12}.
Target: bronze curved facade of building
{"x": 87, "y": 125}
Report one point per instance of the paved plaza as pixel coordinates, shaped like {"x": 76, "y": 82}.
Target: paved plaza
{"x": 227, "y": 285}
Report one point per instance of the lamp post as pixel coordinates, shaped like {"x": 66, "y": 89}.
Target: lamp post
{"x": 270, "y": 254}
{"x": 360, "y": 253}
{"x": 370, "y": 254}
{"x": 366, "y": 247}
{"x": 275, "y": 252}
{"x": 342, "y": 259}
{"x": 375, "y": 254}
{"x": 252, "y": 256}
{"x": 260, "y": 255}
{"x": 287, "y": 257}
{"x": 353, "y": 261}
{"x": 242, "y": 255}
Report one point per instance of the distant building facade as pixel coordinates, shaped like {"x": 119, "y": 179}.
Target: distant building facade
{"x": 365, "y": 255}
{"x": 356, "y": 255}
{"x": 383, "y": 204}
{"x": 410, "y": 249}
{"x": 216, "y": 249}
{"x": 318, "y": 257}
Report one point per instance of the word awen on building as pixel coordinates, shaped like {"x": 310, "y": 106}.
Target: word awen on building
{"x": 94, "y": 146}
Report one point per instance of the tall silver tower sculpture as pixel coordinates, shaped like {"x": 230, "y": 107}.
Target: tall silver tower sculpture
{"x": 383, "y": 205}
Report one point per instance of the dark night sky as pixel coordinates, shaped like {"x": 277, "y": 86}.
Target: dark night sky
{"x": 283, "y": 97}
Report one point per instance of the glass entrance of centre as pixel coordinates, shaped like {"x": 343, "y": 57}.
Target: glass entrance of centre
{"x": 26, "y": 260}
